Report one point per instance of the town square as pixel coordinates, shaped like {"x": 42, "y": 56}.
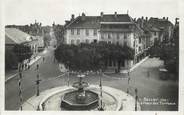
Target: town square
{"x": 111, "y": 61}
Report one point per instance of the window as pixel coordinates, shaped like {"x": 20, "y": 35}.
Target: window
{"x": 102, "y": 36}
{"x": 155, "y": 33}
{"x": 117, "y": 36}
{"x": 87, "y": 32}
{"x": 94, "y": 32}
{"x": 125, "y": 43}
{"x": 109, "y": 36}
{"x": 139, "y": 40}
{"x": 78, "y": 31}
{"x": 125, "y": 36}
{"x": 123, "y": 63}
{"x": 72, "y": 31}
{"x": 72, "y": 41}
{"x": 78, "y": 41}
{"x": 87, "y": 41}
{"x": 134, "y": 44}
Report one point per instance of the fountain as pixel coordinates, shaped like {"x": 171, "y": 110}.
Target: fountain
{"x": 80, "y": 98}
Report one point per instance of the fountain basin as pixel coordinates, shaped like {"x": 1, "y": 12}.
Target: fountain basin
{"x": 75, "y": 101}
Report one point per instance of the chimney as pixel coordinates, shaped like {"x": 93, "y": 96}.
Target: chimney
{"x": 83, "y": 16}
{"x": 146, "y": 19}
{"x": 134, "y": 19}
{"x": 164, "y": 18}
{"x": 176, "y": 21}
{"x": 67, "y": 22}
{"x": 115, "y": 14}
{"x": 101, "y": 14}
{"x": 167, "y": 18}
{"x": 72, "y": 17}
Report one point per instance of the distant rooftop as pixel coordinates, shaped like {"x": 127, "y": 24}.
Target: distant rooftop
{"x": 16, "y": 36}
{"x": 94, "y": 21}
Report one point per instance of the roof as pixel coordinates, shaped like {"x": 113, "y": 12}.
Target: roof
{"x": 160, "y": 23}
{"x": 88, "y": 22}
{"x": 94, "y": 21}
{"x": 15, "y": 36}
{"x": 117, "y": 18}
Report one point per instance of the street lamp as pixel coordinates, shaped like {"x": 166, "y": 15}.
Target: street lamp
{"x": 101, "y": 107}
{"x": 37, "y": 81}
{"x": 136, "y": 99}
{"x": 68, "y": 74}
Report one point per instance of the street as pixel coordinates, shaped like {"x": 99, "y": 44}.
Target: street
{"x": 149, "y": 86}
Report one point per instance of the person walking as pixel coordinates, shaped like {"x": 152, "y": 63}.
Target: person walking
{"x": 43, "y": 59}
{"x": 148, "y": 74}
{"x": 128, "y": 79}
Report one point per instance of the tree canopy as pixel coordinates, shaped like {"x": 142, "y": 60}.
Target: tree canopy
{"x": 94, "y": 56}
{"x": 22, "y": 52}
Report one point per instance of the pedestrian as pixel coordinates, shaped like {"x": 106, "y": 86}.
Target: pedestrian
{"x": 37, "y": 67}
{"x": 128, "y": 73}
{"x": 43, "y": 59}
{"x": 127, "y": 91}
{"x": 148, "y": 74}
{"x": 43, "y": 106}
{"x": 128, "y": 80}
{"x": 28, "y": 66}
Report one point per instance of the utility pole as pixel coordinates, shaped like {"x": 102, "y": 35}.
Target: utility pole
{"x": 20, "y": 84}
{"x": 136, "y": 99}
{"x": 101, "y": 106}
{"x": 37, "y": 81}
{"x": 68, "y": 74}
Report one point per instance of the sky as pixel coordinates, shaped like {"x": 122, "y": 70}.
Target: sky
{"x": 21, "y": 12}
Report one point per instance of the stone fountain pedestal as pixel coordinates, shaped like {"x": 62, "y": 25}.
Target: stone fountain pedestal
{"x": 81, "y": 98}
{"x": 50, "y": 100}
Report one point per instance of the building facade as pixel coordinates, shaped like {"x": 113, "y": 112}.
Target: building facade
{"x": 15, "y": 36}
{"x": 114, "y": 28}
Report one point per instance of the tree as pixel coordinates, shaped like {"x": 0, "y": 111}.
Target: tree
{"x": 22, "y": 52}
{"x": 10, "y": 60}
{"x": 46, "y": 39}
{"x": 59, "y": 33}
{"x": 94, "y": 56}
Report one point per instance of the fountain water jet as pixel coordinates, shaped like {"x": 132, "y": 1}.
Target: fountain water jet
{"x": 81, "y": 98}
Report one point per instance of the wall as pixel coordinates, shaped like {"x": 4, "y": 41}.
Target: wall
{"x": 82, "y": 36}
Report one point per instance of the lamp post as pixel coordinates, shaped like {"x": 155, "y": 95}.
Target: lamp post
{"x": 136, "y": 99}
{"x": 37, "y": 81}
{"x": 101, "y": 107}
{"x": 20, "y": 84}
{"x": 68, "y": 74}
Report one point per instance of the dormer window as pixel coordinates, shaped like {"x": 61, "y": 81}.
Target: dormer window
{"x": 87, "y": 32}
{"x": 78, "y": 31}
{"x": 109, "y": 36}
{"x": 72, "y": 31}
{"x": 117, "y": 36}
{"x": 94, "y": 32}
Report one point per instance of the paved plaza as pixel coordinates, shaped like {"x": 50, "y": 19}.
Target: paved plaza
{"x": 154, "y": 94}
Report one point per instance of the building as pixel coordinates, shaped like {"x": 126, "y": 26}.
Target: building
{"x": 164, "y": 26}
{"x": 111, "y": 28}
{"x": 15, "y": 36}
{"x": 82, "y": 29}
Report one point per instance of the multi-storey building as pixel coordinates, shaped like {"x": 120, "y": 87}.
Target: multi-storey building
{"x": 82, "y": 29}
{"x": 164, "y": 27}
{"x": 111, "y": 28}
{"x": 15, "y": 36}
